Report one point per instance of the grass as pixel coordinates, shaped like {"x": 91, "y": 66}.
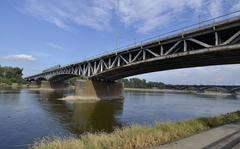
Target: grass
{"x": 138, "y": 136}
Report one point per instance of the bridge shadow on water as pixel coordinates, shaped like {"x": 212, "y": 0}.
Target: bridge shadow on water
{"x": 81, "y": 116}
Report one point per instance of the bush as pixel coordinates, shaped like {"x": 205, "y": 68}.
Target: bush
{"x": 9, "y": 75}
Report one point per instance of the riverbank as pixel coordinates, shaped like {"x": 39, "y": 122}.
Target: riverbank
{"x": 209, "y": 93}
{"x": 13, "y": 85}
{"x": 76, "y": 98}
{"x": 157, "y": 90}
{"x": 225, "y": 136}
{"x": 140, "y": 136}
{"x": 177, "y": 91}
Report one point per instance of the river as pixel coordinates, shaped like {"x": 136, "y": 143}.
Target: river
{"x": 27, "y": 115}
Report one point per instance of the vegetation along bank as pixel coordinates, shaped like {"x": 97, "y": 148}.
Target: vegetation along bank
{"x": 139, "y": 136}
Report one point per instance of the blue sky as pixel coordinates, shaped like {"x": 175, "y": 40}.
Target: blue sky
{"x": 37, "y": 34}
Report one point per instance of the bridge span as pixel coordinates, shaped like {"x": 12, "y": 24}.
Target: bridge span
{"x": 214, "y": 44}
{"x": 202, "y": 88}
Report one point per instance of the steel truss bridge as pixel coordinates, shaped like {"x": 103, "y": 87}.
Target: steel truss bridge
{"x": 214, "y": 44}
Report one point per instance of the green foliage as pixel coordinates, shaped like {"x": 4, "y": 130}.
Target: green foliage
{"x": 129, "y": 83}
{"x": 9, "y": 75}
{"x": 138, "y": 136}
{"x": 141, "y": 83}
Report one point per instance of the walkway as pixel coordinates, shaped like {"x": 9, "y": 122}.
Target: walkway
{"x": 213, "y": 139}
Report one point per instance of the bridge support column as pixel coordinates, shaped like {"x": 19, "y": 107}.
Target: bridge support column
{"x": 53, "y": 85}
{"x": 96, "y": 90}
{"x": 34, "y": 84}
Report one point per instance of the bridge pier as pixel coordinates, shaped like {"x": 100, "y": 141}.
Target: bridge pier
{"x": 34, "y": 84}
{"x": 53, "y": 85}
{"x": 96, "y": 90}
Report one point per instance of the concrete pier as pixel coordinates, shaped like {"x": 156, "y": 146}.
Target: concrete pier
{"x": 96, "y": 90}
{"x": 35, "y": 84}
{"x": 53, "y": 85}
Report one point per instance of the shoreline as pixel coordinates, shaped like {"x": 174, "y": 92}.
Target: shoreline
{"x": 140, "y": 136}
{"x": 178, "y": 91}
{"x": 207, "y": 93}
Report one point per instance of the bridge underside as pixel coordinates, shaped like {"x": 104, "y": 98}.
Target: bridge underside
{"x": 206, "y": 57}
{"x": 96, "y": 90}
{"x": 214, "y": 44}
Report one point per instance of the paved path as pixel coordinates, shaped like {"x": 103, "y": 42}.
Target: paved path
{"x": 237, "y": 146}
{"x": 203, "y": 139}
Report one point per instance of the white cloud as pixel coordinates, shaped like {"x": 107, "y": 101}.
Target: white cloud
{"x": 55, "y": 46}
{"x": 216, "y": 8}
{"x": 236, "y": 6}
{"x": 19, "y": 57}
{"x": 143, "y": 15}
{"x": 39, "y": 54}
{"x": 146, "y": 15}
{"x": 79, "y": 12}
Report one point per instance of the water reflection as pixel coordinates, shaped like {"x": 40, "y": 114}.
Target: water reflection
{"x": 10, "y": 96}
{"x": 82, "y": 116}
{"x": 95, "y": 116}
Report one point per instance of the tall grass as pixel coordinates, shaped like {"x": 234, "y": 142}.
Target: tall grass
{"x": 138, "y": 136}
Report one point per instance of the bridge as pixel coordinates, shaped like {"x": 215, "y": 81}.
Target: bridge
{"x": 213, "y": 44}
{"x": 201, "y": 88}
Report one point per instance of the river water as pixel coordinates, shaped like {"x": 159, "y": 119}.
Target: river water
{"x": 26, "y": 115}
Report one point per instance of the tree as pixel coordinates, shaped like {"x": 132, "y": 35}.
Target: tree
{"x": 141, "y": 83}
{"x": 11, "y": 75}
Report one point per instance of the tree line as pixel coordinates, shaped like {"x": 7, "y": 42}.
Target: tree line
{"x": 9, "y": 75}
{"x": 141, "y": 83}
{"x": 129, "y": 83}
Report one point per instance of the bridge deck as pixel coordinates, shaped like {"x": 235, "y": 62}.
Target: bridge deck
{"x": 214, "y": 44}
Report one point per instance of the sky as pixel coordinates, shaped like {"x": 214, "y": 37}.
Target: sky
{"x": 38, "y": 34}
